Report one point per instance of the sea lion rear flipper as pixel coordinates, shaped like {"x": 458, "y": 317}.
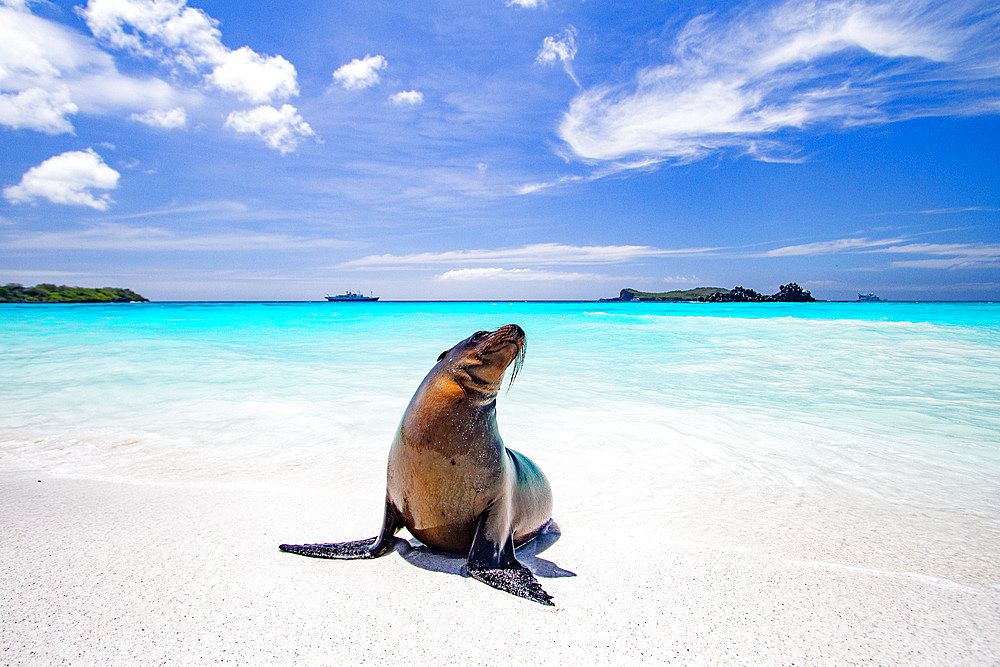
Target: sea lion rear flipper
{"x": 492, "y": 561}
{"x": 373, "y": 547}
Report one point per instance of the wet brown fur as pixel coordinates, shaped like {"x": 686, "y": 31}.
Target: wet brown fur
{"x": 448, "y": 464}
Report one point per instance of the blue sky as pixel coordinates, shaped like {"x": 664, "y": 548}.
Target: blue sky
{"x": 501, "y": 149}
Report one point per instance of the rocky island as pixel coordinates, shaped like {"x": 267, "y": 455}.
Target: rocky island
{"x": 48, "y": 293}
{"x": 787, "y": 293}
{"x": 790, "y": 293}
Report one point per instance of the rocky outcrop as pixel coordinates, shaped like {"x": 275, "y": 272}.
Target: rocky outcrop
{"x": 787, "y": 293}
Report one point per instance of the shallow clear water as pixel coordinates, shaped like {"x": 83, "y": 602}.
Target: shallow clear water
{"x": 862, "y": 433}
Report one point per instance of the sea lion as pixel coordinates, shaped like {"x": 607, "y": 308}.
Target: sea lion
{"x": 451, "y": 482}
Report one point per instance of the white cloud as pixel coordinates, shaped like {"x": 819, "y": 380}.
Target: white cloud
{"x": 160, "y": 29}
{"x": 38, "y": 109}
{"x": 536, "y": 254}
{"x": 510, "y": 275}
{"x": 526, "y": 4}
{"x": 560, "y": 50}
{"x": 408, "y": 98}
{"x": 281, "y": 129}
{"x": 49, "y": 73}
{"x": 67, "y": 178}
{"x": 743, "y": 75}
{"x": 163, "y": 118}
{"x": 360, "y": 73}
{"x": 254, "y": 77}
{"x": 188, "y": 38}
{"x": 34, "y": 55}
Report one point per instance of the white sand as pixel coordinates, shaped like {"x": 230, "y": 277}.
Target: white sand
{"x": 104, "y": 573}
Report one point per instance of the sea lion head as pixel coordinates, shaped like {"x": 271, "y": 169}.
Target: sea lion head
{"x": 478, "y": 363}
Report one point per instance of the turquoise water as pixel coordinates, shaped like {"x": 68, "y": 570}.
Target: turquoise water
{"x": 860, "y": 433}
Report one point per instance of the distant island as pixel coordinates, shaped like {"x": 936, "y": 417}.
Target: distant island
{"x": 787, "y": 293}
{"x": 629, "y": 294}
{"x": 48, "y": 293}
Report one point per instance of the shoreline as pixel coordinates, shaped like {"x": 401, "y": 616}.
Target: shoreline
{"x": 112, "y": 572}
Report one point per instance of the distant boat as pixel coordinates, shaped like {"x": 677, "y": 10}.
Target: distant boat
{"x": 869, "y": 297}
{"x": 350, "y": 296}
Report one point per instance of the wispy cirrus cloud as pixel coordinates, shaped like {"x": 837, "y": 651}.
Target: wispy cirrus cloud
{"x": 113, "y": 236}
{"x": 562, "y": 49}
{"x": 949, "y": 256}
{"x": 924, "y": 255}
{"x": 214, "y": 208}
{"x": 831, "y": 247}
{"x": 611, "y": 169}
{"x": 946, "y": 211}
{"x": 738, "y": 78}
{"x": 536, "y": 254}
{"x": 511, "y": 275}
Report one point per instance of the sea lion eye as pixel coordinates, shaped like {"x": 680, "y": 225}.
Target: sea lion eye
{"x": 479, "y": 335}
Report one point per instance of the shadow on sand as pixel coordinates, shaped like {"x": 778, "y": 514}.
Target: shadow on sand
{"x": 426, "y": 558}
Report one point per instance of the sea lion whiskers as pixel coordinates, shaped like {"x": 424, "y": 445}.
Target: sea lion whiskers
{"x": 518, "y": 362}
{"x": 507, "y": 335}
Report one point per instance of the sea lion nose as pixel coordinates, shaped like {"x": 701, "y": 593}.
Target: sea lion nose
{"x": 514, "y": 330}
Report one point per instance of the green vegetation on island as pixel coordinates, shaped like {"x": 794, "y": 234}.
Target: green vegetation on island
{"x": 787, "y": 293}
{"x": 48, "y": 293}
{"x": 629, "y": 294}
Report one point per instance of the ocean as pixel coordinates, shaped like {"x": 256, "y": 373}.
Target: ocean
{"x": 866, "y": 434}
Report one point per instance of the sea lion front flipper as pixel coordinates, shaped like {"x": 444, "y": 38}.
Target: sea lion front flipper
{"x": 492, "y": 561}
{"x": 517, "y": 581}
{"x": 373, "y": 547}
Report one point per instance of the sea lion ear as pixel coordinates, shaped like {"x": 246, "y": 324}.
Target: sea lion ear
{"x": 443, "y": 355}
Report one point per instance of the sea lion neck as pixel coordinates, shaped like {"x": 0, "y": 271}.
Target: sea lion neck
{"x": 476, "y": 392}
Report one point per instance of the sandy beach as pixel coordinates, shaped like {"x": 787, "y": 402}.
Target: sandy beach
{"x": 96, "y": 572}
